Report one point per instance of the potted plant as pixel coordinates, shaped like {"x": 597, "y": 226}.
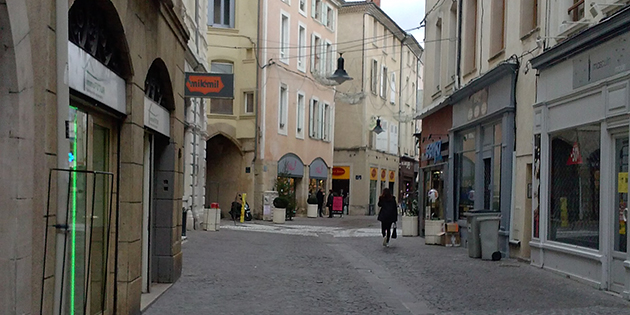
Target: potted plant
{"x": 311, "y": 208}
{"x": 410, "y": 215}
{"x": 280, "y": 205}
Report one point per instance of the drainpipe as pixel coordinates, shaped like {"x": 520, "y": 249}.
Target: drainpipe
{"x": 400, "y": 76}
{"x": 256, "y": 109}
{"x": 365, "y": 113}
{"x": 63, "y": 147}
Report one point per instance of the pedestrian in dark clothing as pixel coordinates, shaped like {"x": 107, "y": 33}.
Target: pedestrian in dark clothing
{"x": 329, "y": 203}
{"x": 320, "y": 202}
{"x": 388, "y": 214}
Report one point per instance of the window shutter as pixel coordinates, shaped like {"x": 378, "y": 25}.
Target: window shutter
{"x": 313, "y": 7}
{"x": 324, "y": 14}
{"x": 332, "y": 23}
{"x": 313, "y": 49}
{"x": 320, "y": 128}
{"x": 311, "y": 122}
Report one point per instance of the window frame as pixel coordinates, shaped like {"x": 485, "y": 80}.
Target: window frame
{"x": 301, "y": 60}
{"x": 300, "y": 112}
{"x": 246, "y": 103}
{"x": 230, "y": 24}
{"x": 285, "y": 36}
{"x": 283, "y": 108}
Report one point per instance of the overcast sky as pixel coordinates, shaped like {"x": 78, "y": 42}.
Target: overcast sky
{"x": 407, "y": 14}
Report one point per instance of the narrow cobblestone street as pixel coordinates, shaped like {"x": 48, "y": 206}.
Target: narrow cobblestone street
{"x": 338, "y": 266}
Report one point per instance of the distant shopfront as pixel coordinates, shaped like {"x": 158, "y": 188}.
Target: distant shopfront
{"x": 580, "y": 180}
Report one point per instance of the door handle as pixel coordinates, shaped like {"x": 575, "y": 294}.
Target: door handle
{"x": 625, "y": 215}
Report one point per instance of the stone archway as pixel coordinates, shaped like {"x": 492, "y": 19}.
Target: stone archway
{"x": 225, "y": 171}
{"x": 21, "y": 196}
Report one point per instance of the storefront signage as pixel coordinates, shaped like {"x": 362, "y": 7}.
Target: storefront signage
{"x": 156, "y": 117}
{"x": 290, "y": 166}
{"x": 392, "y": 176}
{"x": 341, "y": 172}
{"x": 434, "y": 151}
{"x": 383, "y": 175}
{"x": 622, "y": 182}
{"x": 373, "y": 173}
{"x": 90, "y": 77}
{"x": 209, "y": 85}
{"x": 318, "y": 169}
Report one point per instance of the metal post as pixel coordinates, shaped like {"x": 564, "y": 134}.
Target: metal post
{"x": 63, "y": 146}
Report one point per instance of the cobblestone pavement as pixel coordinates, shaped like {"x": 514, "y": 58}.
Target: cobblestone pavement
{"x": 338, "y": 266}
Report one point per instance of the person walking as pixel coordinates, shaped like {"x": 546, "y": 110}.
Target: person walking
{"x": 320, "y": 202}
{"x": 329, "y": 203}
{"x": 388, "y": 214}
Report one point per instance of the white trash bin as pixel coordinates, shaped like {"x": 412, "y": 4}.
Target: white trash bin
{"x": 211, "y": 219}
{"x": 279, "y": 215}
{"x": 489, "y": 236}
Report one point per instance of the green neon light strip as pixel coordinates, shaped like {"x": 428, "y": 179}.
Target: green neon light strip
{"x": 74, "y": 219}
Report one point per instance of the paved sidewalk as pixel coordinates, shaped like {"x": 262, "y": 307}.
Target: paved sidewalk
{"x": 338, "y": 266}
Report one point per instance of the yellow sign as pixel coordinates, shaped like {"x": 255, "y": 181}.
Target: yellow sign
{"x": 373, "y": 173}
{"x": 243, "y": 208}
{"x": 341, "y": 172}
{"x": 622, "y": 182}
{"x": 392, "y": 176}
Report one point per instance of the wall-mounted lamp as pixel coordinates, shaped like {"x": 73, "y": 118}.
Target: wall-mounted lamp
{"x": 340, "y": 75}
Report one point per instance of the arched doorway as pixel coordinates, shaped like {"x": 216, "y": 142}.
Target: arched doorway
{"x": 158, "y": 201}
{"x": 98, "y": 67}
{"x": 224, "y": 172}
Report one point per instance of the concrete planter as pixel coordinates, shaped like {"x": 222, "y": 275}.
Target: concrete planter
{"x": 434, "y": 229}
{"x": 311, "y": 211}
{"x": 279, "y": 215}
{"x": 409, "y": 225}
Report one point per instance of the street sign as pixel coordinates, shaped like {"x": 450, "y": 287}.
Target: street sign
{"x": 209, "y": 85}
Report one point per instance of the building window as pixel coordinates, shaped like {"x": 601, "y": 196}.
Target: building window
{"x": 437, "y": 73}
{"x": 302, "y": 7}
{"x": 330, "y": 18}
{"x": 452, "y": 43}
{"x": 221, "y": 13}
{"x": 374, "y": 31}
{"x": 529, "y": 16}
{"x": 374, "y": 85}
{"x": 301, "y": 48}
{"x": 470, "y": 35}
{"x": 576, "y": 11}
{"x": 384, "y": 82}
{"x": 316, "y": 10}
{"x": 575, "y": 184}
{"x": 329, "y": 59}
{"x": 316, "y": 51}
{"x": 284, "y": 39}
{"x": 248, "y": 98}
{"x": 301, "y": 102}
{"x": 283, "y": 108}
{"x": 220, "y": 105}
{"x": 315, "y": 119}
{"x": 465, "y": 158}
{"x": 394, "y": 46}
{"x": 497, "y": 31}
{"x": 392, "y": 98}
{"x": 326, "y": 123}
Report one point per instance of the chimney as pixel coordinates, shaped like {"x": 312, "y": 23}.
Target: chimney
{"x": 377, "y": 2}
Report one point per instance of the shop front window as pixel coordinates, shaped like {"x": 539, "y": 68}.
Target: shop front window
{"x": 575, "y": 184}
{"x": 465, "y": 159}
{"x": 315, "y": 184}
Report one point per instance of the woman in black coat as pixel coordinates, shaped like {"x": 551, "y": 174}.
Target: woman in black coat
{"x": 388, "y": 214}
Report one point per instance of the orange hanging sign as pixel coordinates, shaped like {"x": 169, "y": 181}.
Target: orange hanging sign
{"x": 383, "y": 175}
{"x": 373, "y": 173}
{"x": 392, "y": 176}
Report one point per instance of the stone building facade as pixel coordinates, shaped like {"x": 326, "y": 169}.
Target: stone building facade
{"x": 94, "y": 89}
